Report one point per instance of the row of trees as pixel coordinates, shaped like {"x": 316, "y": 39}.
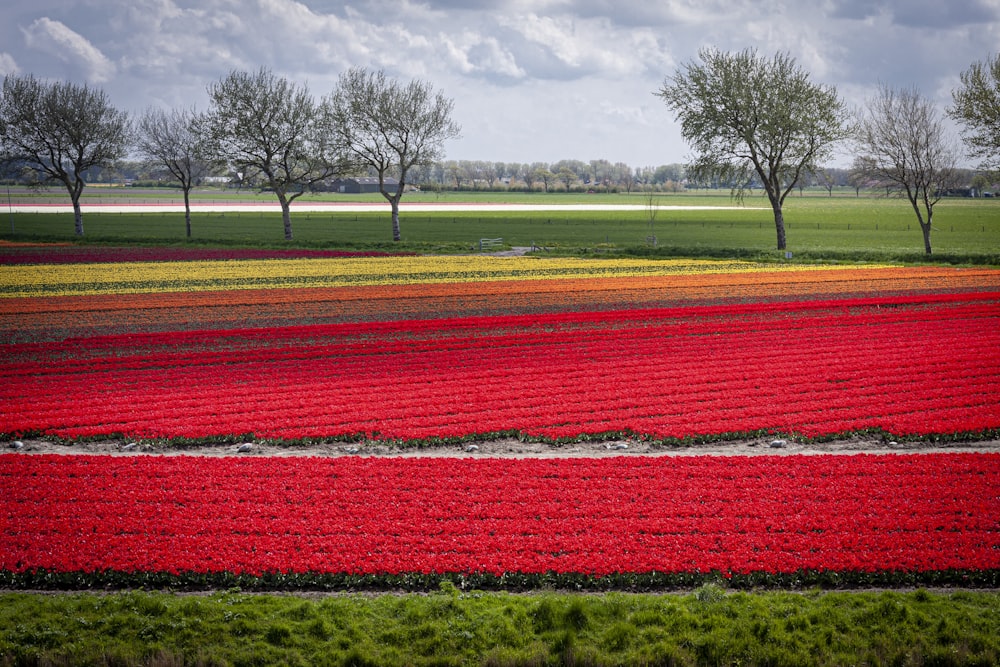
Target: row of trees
{"x": 259, "y": 124}
{"x": 484, "y": 176}
{"x": 752, "y": 120}
{"x": 603, "y": 176}
{"x": 565, "y": 175}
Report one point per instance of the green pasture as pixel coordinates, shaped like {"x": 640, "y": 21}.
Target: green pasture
{"x": 709, "y": 626}
{"x": 840, "y": 228}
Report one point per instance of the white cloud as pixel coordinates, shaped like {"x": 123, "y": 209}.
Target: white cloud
{"x": 8, "y": 65}
{"x": 558, "y": 35}
{"x": 163, "y": 39}
{"x": 291, "y": 37}
{"x": 809, "y": 45}
{"x": 565, "y": 47}
{"x": 56, "y": 38}
{"x": 472, "y": 53}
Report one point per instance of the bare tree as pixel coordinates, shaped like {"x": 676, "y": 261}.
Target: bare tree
{"x": 977, "y": 109}
{"x": 501, "y": 172}
{"x": 476, "y": 169}
{"x": 491, "y": 172}
{"x": 529, "y": 174}
{"x": 862, "y": 175}
{"x": 60, "y": 130}
{"x": 457, "y": 172}
{"x": 826, "y": 178}
{"x": 175, "y": 140}
{"x": 748, "y": 116}
{"x": 389, "y": 127}
{"x": 652, "y": 210}
{"x": 625, "y": 176}
{"x": 903, "y": 144}
{"x": 262, "y": 122}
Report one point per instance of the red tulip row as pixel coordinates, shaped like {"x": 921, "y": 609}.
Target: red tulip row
{"x": 907, "y": 365}
{"x": 735, "y": 515}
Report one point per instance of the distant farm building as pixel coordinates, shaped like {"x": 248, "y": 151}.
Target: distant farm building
{"x": 361, "y": 184}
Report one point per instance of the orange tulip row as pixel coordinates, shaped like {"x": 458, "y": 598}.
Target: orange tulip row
{"x": 248, "y": 308}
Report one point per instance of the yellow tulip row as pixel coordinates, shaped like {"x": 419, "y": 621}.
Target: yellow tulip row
{"x": 194, "y": 276}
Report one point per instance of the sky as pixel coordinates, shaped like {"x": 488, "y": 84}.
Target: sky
{"x": 531, "y": 80}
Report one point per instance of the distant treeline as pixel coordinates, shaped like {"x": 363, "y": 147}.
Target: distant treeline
{"x": 481, "y": 175}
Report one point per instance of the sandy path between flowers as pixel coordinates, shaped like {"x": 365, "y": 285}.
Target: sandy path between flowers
{"x": 508, "y": 448}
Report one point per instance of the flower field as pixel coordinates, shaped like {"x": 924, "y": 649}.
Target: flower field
{"x": 817, "y": 368}
{"x": 486, "y": 518}
{"x": 422, "y": 350}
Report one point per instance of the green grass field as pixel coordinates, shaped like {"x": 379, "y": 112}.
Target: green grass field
{"x": 709, "y": 626}
{"x": 840, "y": 228}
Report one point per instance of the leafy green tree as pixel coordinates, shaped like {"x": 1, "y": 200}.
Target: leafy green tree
{"x": 60, "y": 130}
{"x": 546, "y": 176}
{"x": 980, "y": 183}
{"x": 750, "y": 117}
{"x": 389, "y": 127}
{"x": 977, "y": 109}
{"x": 264, "y": 123}
{"x": 567, "y": 176}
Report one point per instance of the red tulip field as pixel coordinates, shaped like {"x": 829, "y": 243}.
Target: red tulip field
{"x": 176, "y": 351}
{"x": 907, "y": 365}
{"x": 866, "y": 515}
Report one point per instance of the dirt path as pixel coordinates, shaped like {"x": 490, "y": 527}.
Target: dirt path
{"x": 507, "y": 448}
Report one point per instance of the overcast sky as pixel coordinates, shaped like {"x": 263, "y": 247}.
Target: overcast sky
{"x": 532, "y": 80}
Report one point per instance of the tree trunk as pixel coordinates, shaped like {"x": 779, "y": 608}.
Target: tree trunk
{"x": 187, "y": 210}
{"x": 78, "y": 216}
{"x": 286, "y": 212}
{"x": 925, "y": 227}
{"x": 394, "y": 203}
{"x": 286, "y": 218}
{"x": 779, "y": 223}
{"x": 75, "y": 190}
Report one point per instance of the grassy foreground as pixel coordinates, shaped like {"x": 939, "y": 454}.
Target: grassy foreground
{"x": 709, "y": 626}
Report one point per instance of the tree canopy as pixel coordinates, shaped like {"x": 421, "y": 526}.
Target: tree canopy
{"x": 977, "y": 108}
{"x": 748, "y": 116}
{"x": 262, "y": 122}
{"x": 389, "y": 127}
{"x": 61, "y": 130}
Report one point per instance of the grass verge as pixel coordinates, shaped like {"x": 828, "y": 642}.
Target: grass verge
{"x": 708, "y": 626}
